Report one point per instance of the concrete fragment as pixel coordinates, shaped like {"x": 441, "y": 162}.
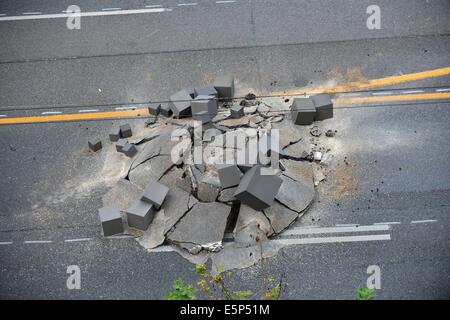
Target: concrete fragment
{"x": 153, "y": 169}
{"x": 114, "y": 134}
{"x": 120, "y": 144}
{"x": 95, "y": 144}
{"x": 280, "y": 217}
{"x": 155, "y": 193}
{"x": 125, "y": 131}
{"x": 257, "y": 190}
{"x": 296, "y": 195}
{"x": 303, "y": 111}
{"x": 249, "y": 235}
{"x": 154, "y": 108}
{"x": 227, "y": 195}
{"x": 248, "y": 215}
{"x": 166, "y": 111}
{"x": 140, "y": 214}
{"x": 318, "y": 177}
{"x": 207, "y": 90}
{"x": 324, "y": 106}
{"x": 229, "y": 175}
{"x": 177, "y": 203}
{"x": 121, "y": 195}
{"x": 111, "y": 220}
{"x": 224, "y": 84}
{"x": 129, "y": 150}
{"x": 237, "y": 111}
{"x": 208, "y": 187}
{"x": 180, "y": 104}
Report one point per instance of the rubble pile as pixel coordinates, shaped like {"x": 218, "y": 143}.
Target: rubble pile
{"x": 225, "y": 208}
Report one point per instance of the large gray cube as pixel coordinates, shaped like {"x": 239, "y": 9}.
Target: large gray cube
{"x": 180, "y": 104}
{"x": 114, "y": 134}
{"x": 237, "y": 111}
{"x": 155, "y": 193}
{"x": 204, "y": 108}
{"x": 303, "y": 111}
{"x": 120, "y": 144}
{"x": 111, "y": 220}
{"x": 229, "y": 175}
{"x": 208, "y": 90}
{"x": 125, "y": 131}
{"x": 129, "y": 150}
{"x": 154, "y": 108}
{"x": 166, "y": 111}
{"x": 95, "y": 144}
{"x": 224, "y": 84}
{"x": 140, "y": 214}
{"x": 256, "y": 190}
{"x": 324, "y": 106}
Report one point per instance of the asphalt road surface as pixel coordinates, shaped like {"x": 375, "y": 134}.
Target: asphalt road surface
{"x": 396, "y": 170}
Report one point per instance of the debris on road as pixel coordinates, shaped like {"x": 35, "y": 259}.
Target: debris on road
{"x": 95, "y": 144}
{"x": 111, "y": 221}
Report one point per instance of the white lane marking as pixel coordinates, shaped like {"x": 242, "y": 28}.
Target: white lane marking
{"x": 346, "y": 224}
{"x": 3, "y": 115}
{"x": 391, "y": 222}
{"x": 5, "y": 243}
{"x": 349, "y": 94}
{"x": 154, "y": 6}
{"x": 84, "y": 14}
{"x": 78, "y": 240}
{"x": 88, "y": 110}
{"x": 375, "y": 237}
{"x": 30, "y": 13}
{"x": 125, "y": 108}
{"x": 51, "y": 112}
{"x": 382, "y": 93}
{"x": 37, "y": 241}
{"x": 413, "y": 91}
{"x": 443, "y": 90}
{"x": 121, "y": 237}
{"x": 423, "y": 221}
{"x": 225, "y": 1}
{"x": 300, "y": 231}
{"x": 111, "y": 9}
{"x": 161, "y": 249}
{"x": 187, "y": 4}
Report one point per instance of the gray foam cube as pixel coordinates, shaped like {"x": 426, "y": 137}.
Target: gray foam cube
{"x": 324, "y": 106}
{"x": 237, "y": 111}
{"x": 180, "y": 104}
{"x": 111, "y": 220}
{"x": 208, "y": 90}
{"x": 129, "y": 149}
{"x": 155, "y": 193}
{"x": 154, "y": 108}
{"x": 256, "y": 190}
{"x": 303, "y": 111}
{"x": 120, "y": 144}
{"x": 202, "y": 104}
{"x": 140, "y": 214}
{"x": 125, "y": 131}
{"x": 95, "y": 144}
{"x": 229, "y": 175}
{"x": 224, "y": 84}
{"x": 166, "y": 111}
{"x": 114, "y": 134}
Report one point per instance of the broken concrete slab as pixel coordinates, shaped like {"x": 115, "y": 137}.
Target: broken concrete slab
{"x": 248, "y": 215}
{"x": 154, "y": 108}
{"x": 180, "y": 104}
{"x": 208, "y": 187}
{"x": 125, "y": 131}
{"x": 224, "y": 84}
{"x": 154, "y": 236}
{"x": 296, "y": 195}
{"x": 299, "y": 171}
{"x": 177, "y": 203}
{"x": 140, "y": 214}
{"x": 152, "y": 169}
{"x": 121, "y": 194}
{"x": 207, "y": 90}
{"x": 193, "y": 227}
{"x": 303, "y": 111}
{"x": 114, "y": 134}
{"x": 95, "y": 144}
{"x": 299, "y": 150}
{"x": 280, "y": 217}
{"x": 155, "y": 193}
{"x": 227, "y": 195}
{"x": 258, "y": 190}
{"x": 111, "y": 220}
{"x": 324, "y": 106}
{"x": 234, "y": 123}
{"x": 229, "y": 175}
{"x": 237, "y": 111}
{"x": 249, "y": 235}
{"x": 177, "y": 177}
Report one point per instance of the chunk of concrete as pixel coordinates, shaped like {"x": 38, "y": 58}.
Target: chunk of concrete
{"x": 114, "y": 134}
{"x": 207, "y": 90}
{"x": 258, "y": 190}
{"x": 296, "y": 195}
{"x": 140, "y": 214}
{"x": 180, "y": 104}
{"x": 120, "y": 144}
{"x": 224, "y": 84}
{"x": 95, "y": 144}
{"x": 125, "y": 131}
{"x": 229, "y": 175}
{"x": 111, "y": 220}
{"x": 154, "y": 108}
{"x": 155, "y": 193}
{"x": 303, "y": 111}
{"x": 129, "y": 150}
{"x": 324, "y": 106}
{"x": 237, "y": 111}
{"x": 248, "y": 215}
{"x": 227, "y": 195}
{"x": 177, "y": 203}
{"x": 166, "y": 111}
{"x": 280, "y": 217}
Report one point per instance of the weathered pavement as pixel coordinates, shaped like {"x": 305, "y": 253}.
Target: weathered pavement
{"x": 44, "y": 165}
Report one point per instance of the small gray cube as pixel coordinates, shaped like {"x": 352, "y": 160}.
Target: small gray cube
{"x": 237, "y": 111}
{"x": 140, "y": 214}
{"x": 114, "y": 134}
{"x": 256, "y": 190}
{"x": 120, "y": 144}
{"x": 95, "y": 144}
{"x": 224, "y": 84}
{"x": 155, "y": 193}
{"x": 125, "y": 131}
{"x": 111, "y": 220}
{"x": 324, "y": 106}
{"x": 229, "y": 175}
{"x": 208, "y": 90}
{"x": 129, "y": 150}
{"x": 154, "y": 108}
{"x": 303, "y": 111}
{"x": 166, "y": 111}
{"x": 180, "y": 104}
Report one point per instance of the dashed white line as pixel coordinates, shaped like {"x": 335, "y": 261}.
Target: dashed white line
{"x": 3, "y": 115}
{"x": 391, "y": 222}
{"x": 375, "y": 237}
{"x": 225, "y": 1}
{"x": 5, "y": 243}
{"x": 31, "y": 13}
{"x": 111, "y": 9}
{"x": 78, "y": 240}
{"x": 121, "y": 237}
{"x": 154, "y": 6}
{"x": 51, "y": 112}
{"x": 346, "y": 225}
{"x": 305, "y": 231}
{"x": 423, "y": 221}
{"x": 125, "y": 108}
{"x": 412, "y": 91}
{"x": 443, "y": 90}
{"x": 187, "y": 4}
{"x": 37, "y": 241}
{"x": 382, "y": 93}
{"x": 88, "y": 110}
{"x": 349, "y": 94}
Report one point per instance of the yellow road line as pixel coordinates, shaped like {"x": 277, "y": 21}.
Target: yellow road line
{"x": 77, "y": 116}
{"x": 374, "y": 83}
{"x": 403, "y": 97}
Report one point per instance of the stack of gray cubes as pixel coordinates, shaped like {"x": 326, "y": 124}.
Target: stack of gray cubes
{"x": 180, "y": 104}
{"x": 111, "y": 221}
